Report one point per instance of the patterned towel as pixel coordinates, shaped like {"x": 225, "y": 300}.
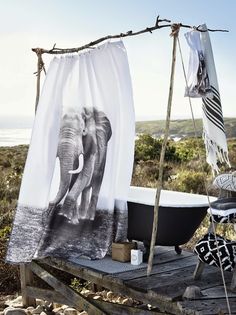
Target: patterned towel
{"x": 202, "y": 82}
{"x": 207, "y": 251}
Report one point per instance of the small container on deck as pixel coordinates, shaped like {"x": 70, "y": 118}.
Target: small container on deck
{"x": 121, "y": 251}
{"x": 136, "y": 257}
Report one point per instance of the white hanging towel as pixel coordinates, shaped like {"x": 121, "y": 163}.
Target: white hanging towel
{"x": 202, "y": 82}
{"x": 73, "y": 197}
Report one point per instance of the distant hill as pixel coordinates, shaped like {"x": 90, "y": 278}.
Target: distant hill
{"x": 181, "y": 128}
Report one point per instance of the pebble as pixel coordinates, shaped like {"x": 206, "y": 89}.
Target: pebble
{"x": 39, "y": 309}
{"x": 17, "y": 303}
{"x": 15, "y": 311}
{"x": 30, "y": 308}
{"x": 70, "y": 311}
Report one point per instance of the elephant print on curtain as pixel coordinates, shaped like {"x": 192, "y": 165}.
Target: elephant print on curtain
{"x": 74, "y": 190}
{"x": 82, "y": 150}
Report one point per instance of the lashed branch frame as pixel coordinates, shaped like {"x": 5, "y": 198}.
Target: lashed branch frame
{"x": 175, "y": 27}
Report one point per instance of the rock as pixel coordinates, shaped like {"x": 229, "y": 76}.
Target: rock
{"x": 126, "y": 301}
{"x": 17, "y": 302}
{"x": 8, "y": 299}
{"x": 64, "y": 307}
{"x": 192, "y": 293}
{"x": 40, "y": 302}
{"x": 110, "y": 295}
{"x": 39, "y": 309}
{"x": 15, "y": 311}
{"x": 85, "y": 292}
{"x": 8, "y": 308}
{"x": 57, "y": 310}
{"x": 30, "y": 309}
{"x": 43, "y": 313}
{"x": 83, "y": 313}
{"x": 91, "y": 295}
{"x": 70, "y": 311}
{"x": 97, "y": 297}
{"x": 119, "y": 300}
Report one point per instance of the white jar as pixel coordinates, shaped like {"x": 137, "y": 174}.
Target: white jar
{"x": 136, "y": 256}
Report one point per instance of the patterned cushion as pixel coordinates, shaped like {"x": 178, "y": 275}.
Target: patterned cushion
{"x": 223, "y": 210}
{"x": 230, "y": 218}
{"x": 207, "y": 251}
{"x": 226, "y": 181}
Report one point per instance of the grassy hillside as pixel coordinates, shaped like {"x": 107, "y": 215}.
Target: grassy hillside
{"x": 181, "y": 128}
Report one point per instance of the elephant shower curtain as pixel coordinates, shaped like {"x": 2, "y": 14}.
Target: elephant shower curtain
{"x": 73, "y": 197}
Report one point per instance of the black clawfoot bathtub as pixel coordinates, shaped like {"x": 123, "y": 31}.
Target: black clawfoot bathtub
{"x": 180, "y": 214}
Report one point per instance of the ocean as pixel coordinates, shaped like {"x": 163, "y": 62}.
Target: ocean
{"x": 12, "y": 137}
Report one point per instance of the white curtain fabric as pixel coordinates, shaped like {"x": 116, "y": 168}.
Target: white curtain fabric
{"x": 85, "y": 117}
{"x": 203, "y": 83}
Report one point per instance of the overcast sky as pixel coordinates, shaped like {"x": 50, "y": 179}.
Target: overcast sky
{"x": 29, "y": 23}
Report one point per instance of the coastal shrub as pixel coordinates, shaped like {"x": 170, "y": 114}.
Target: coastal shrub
{"x": 149, "y": 148}
{"x": 189, "y": 149}
{"x": 189, "y": 181}
{"x": 145, "y": 173}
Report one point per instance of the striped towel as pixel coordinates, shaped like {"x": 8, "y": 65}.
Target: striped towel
{"x": 213, "y": 124}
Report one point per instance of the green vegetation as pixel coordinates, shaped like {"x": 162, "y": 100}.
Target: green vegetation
{"x": 185, "y": 170}
{"x": 181, "y": 128}
{"x": 12, "y": 162}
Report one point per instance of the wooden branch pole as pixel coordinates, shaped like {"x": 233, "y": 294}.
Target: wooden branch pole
{"x": 175, "y": 32}
{"x": 55, "y": 50}
{"x": 26, "y": 278}
{"x": 38, "y": 82}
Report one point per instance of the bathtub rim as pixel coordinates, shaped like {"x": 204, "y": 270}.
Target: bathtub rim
{"x": 138, "y": 199}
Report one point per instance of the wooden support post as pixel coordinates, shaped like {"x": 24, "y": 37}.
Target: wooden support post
{"x": 198, "y": 270}
{"x": 233, "y": 281}
{"x": 175, "y": 32}
{"x": 26, "y": 278}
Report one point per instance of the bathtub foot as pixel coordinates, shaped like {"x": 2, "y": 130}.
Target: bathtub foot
{"x": 147, "y": 251}
{"x": 178, "y": 249}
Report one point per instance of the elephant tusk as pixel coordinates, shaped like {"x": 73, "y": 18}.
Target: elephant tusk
{"x": 81, "y": 165}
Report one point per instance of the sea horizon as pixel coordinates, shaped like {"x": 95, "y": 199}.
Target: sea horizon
{"x": 10, "y": 137}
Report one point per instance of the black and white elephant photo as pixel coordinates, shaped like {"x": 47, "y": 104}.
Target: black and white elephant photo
{"x": 82, "y": 150}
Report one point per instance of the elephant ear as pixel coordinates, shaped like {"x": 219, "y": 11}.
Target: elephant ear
{"x": 103, "y": 125}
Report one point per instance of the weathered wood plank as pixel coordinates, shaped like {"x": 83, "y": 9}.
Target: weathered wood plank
{"x": 233, "y": 281}
{"x": 109, "y": 308}
{"x": 217, "y": 293}
{"x": 74, "y": 269}
{"x": 74, "y": 297}
{"x": 182, "y": 275}
{"x": 198, "y": 270}
{"x": 26, "y": 278}
{"x": 174, "y": 286}
{"x": 207, "y": 307}
{"x": 159, "y": 268}
{"x": 163, "y": 288}
{"x": 111, "y": 283}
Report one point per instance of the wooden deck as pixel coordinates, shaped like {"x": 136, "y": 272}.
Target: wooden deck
{"x": 164, "y": 288}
